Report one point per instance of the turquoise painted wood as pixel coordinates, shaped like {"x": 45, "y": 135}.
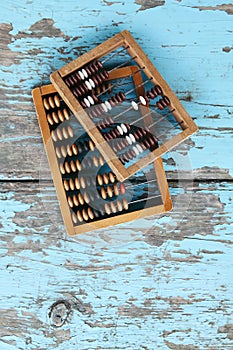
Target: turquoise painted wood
{"x": 156, "y": 283}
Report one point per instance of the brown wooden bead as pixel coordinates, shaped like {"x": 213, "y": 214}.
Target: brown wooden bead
{"x": 70, "y": 201}
{"x": 111, "y": 177}
{"x": 67, "y": 167}
{"x": 113, "y": 207}
{"x": 50, "y": 119}
{"x": 115, "y": 190}
{"x": 77, "y": 183}
{"x": 55, "y": 117}
{"x": 60, "y": 115}
{"x": 74, "y": 149}
{"x": 103, "y": 193}
{"x": 80, "y": 199}
{"x": 85, "y": 215}
{"x": 109, "y": 191}
{"x": 66, "y": 114}
{"x": 58, "y": 152}
{"x": 78, "y": 165}
{"x": 74, "y": 218}
{"x": 82, "y": 182}
{"x": 91, "y": 145}
{"x": 46, "y": 103}
{"x": 70, "y": 131}
{"x": 122, "y": 188}
{"x": 69, "y": 150}
{"x": 86, "y": 197}
{"x": 100, "y": 179}
{"x": 90, "y": 213}
{"x": 107, "y": 209}
{"x": 75, "y": 200}
{"x": 51, "y": 102}
{"x": 62, "y": 168}
{"x": 63, "y": 151}
{"x": 57, "y": 100}
{"x": 73, "y": 166}
{"x": 72, "y": 184}
{"x": 54, "y": 135}
{"x": 59, "y": 134}
{"x": 105, "y": 178}
{"x": 66, "y": 185}
{"x": 79, "y": 216}
{"x": 119, "y": 205}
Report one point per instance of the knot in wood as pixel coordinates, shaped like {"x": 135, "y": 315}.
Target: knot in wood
{"x": 59, "y": 313}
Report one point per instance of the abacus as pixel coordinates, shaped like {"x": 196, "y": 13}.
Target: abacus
{"x": 89, "y": 192}
{"x": 162, "y": 122}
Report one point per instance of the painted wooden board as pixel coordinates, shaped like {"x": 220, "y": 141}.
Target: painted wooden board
{"x": 168, "y": 286}
{"x": 193, "y": 54}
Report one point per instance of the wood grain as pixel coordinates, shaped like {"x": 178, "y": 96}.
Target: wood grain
{"x": 168, "y": 283}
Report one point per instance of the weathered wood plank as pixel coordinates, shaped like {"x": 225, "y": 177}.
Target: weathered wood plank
{"x": 169, "y": 287}
{"x": 198, "y": 68}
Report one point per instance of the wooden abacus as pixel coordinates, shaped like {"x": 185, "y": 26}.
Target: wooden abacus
{"x": 89, "y": 193}
{"x": 77, "y": 81}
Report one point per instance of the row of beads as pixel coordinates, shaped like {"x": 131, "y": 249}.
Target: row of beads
{"x": 88, "y": 162}
{"x": 73, "y": 150}
{"x": 62, "y": 133}
{"x": 90, "y": 214}
{"x": 51, "y": 102}
{"x": 57, "y": 117}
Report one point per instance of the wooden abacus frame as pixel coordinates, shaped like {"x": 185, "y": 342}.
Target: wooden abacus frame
{"x": 72, "y": 229}
{"x": 126, "y": 40}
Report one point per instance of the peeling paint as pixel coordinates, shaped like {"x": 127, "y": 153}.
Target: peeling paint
{"x": 173, "y": 346}
{"x": 7, "y": 57}
{"x": 149, "y": 4}
{"x": 228, "y": 8}
{"x": 43, "y": 28}
{"x": 228, "y": 329}
{"x": 227, "y": 49}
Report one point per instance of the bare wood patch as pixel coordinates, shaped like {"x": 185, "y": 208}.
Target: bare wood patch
{"x": 228, "y": 8}
{"x": 149, "y": 4}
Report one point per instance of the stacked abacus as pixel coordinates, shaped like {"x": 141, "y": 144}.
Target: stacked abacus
{"x": 99, "y": 131}
{"x": 89, "y": 192}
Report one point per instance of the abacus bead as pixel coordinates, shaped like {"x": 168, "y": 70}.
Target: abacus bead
{"x": 122, "y": 96}
{"x": 113, "y": 207}
{"x": 120, "y": 129}
{"x": 136, "y": 151}
{"x": 85, "y": 73}
{"x": 73, "y": 166}
{"x": 82, "y": 182}
{"x": 62, "y": 169}
{"x": 139, "y": 148}
{"x": 60, "y": 115}
{"x": 58, "y": 152}
{"x": 51, "y": 102}
{"x": 111, "y": 177}
{"x": 99, "y": 64}
{"x": 65, "y": 133}
{"x": 107, "y": 209}
{"x": 55, "y": 117}
{"x": 78, "y": 165}
{"x": 69, "y": 150}
{"x": 75, "y": 200}
{"x": 134, "y": 105}
{"x": 109, "y": 191}
{"x": 159, "y": 105}
{"x": 122, "y": 188}
{"x": 132, "y": 138}
{"x": 108, "y": 105}
{"x": 70, "y": 202}
{"x": 74, "y": 218}
{"x": 59, "y": 134}
{"x": 66, "y": 185}
{"x": 166, "y": 100}
{"x": 119, "y": 205}
{"x": 92, "y": 102}
{"x": 81, "y": 75}
{"x": 125, "y": 204}
{"x": 105, "y": 178}
{"x": 86, "y": 197}
{"x": 66, "y": 114}
{"x": 101, "y": 160}
{"x": 80, "y": 199}
{"x": 115, "y": 190}
{"x": 100, "y": 179}
{"x": 151, "y": 95}
{"x": 57, "y": 100}
{"x": 142, "y": 100}
{"x": 124, "y": 128}
{"x": 74, "y": 149}
{"x": 70, "y": 131}
{"x": 63, "y": 151}
{"x": 158, "y": 89}
{"x": 77, "y": 183}
{"x": 46, "y": 103}
{"x": 103, "y": 193}
{"x": 90, "y": 213}
{"x": 91, "y": 145}
{"x": 87, "y": 103}
{"x": 50, "y": 119}
{"x": 54, "y": 135}
{"x": 72, "y": 185}
{"x": 92, "y": 83}
{"x": 67, "y": 167}
{"x": 79, "y": 216}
